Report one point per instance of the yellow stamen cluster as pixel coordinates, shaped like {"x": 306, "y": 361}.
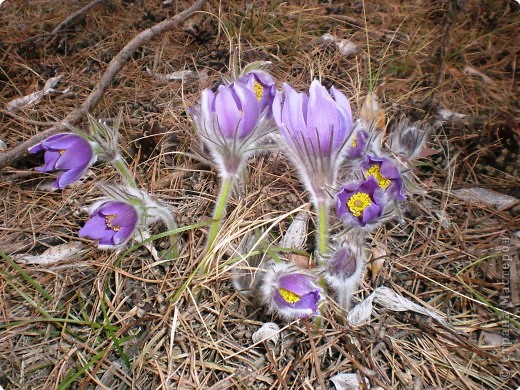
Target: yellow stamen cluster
{"x": 62, "y": 151}
{"x": 358, "y": 202}
{"x": 259, "y": 90}
{"x": 289, "y": 296}
{"x": 108, "y": 222}
{"x": 382, "y": 181}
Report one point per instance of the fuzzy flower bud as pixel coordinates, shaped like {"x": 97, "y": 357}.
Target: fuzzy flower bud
{"x": 289, "y": 292}
{"x": 408, "y": 139}
{"x": 66, "y": 152}
{"x": 344, "y": 270}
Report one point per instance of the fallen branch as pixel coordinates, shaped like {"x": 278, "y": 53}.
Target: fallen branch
{"x": 117, "y": 63}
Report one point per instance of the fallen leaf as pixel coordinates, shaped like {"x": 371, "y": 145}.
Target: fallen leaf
{"x": 67, "y": 251}
{"x": 372, "y": 113}
{"x": 390, "y": 300}
{"x": 267, "y": 332}
{"x": 349, "y": 381}
{"x": 35, "y": 97}
{"x": 477, "y": 195}
{"x": 296, "y": 234}
{"x": 362, "y": 312}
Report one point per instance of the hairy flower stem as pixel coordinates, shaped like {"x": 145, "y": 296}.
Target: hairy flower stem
{"x": 123, "y": 169}
{"x": 223, "y": 196}
{"x": 322, "y": 211}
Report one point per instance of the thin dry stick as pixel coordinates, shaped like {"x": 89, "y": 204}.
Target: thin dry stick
{"x": 113, "y": 68}
{"x": 25, "y": 120}
{"x": 76, "y": 16}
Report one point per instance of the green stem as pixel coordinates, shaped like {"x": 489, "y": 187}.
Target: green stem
{"x": 225, "y": 189}
{"x": 322, "y": 229}
{"x": 124, "y": 171}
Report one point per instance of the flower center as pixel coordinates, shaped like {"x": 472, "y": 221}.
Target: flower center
{"x": 259, "y": 90}
{"x": 358, "y": 202}
{"x": 375, "y": 171}
{"x": 108, "y": 222}
{"x": 289, "y": 296}
{"x": 62, "y": 151}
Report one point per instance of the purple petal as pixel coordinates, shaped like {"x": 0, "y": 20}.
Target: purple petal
{"x": 207, "y": 103}
{"x": 322, "y": 118}
{"x": 68, "y": 177}
{"x": 108, "y": 239}
{"x": 61, "y": 141}
{"x": 388, "y": 169}
{"x": 123, "y": 234}
{"x": 371, "y": 213}
{"x": 126, "y": 217}
{"x": 77, "y": 156}
{"x": 369, "y": 185}
{"x": 50, "y": 158}
{"x": 96, "y": 228}
{"x": 117, "y": 208}
{"x": 36, "y": 148}
{"x": 309, "y": 301}
{"x": 293, "y": 113}
{"x": 297, "y": 283}
{"x": 277, "y": 112}
{"x": 250, "y": 110}
{"x": 343, "y": 102}
{"x": 229, "y": 111}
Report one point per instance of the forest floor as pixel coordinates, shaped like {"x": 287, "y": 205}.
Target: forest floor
{"x": 115, "y": 320}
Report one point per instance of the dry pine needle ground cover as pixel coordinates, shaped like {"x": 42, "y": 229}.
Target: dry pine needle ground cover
{"x": 112, "y": 321}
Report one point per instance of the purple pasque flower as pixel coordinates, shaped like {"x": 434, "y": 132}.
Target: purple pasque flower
{"x": 112, "y": 223}
{"x": 289, "y": 292}
{"x": 66, "y": 152}
{"x": 387, "y": 175}
{"x": 314, "y": 129}
{"x": 231, "y": 124}
{"x": 262, "y": 84}
{"x": 360, "y": 204}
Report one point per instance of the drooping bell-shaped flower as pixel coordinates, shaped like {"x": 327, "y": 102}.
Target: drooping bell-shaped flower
{"x": 290, "y": 293}
{"x": 314, "y": 129}
{"x": 66, "y": 152}
{"x": 112, "y": 224}
{"x": 361, "y": 203}
{"x": 232, "y": 125}
{"x": 387, "y": 175}
{"x": 263, "y": 85}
